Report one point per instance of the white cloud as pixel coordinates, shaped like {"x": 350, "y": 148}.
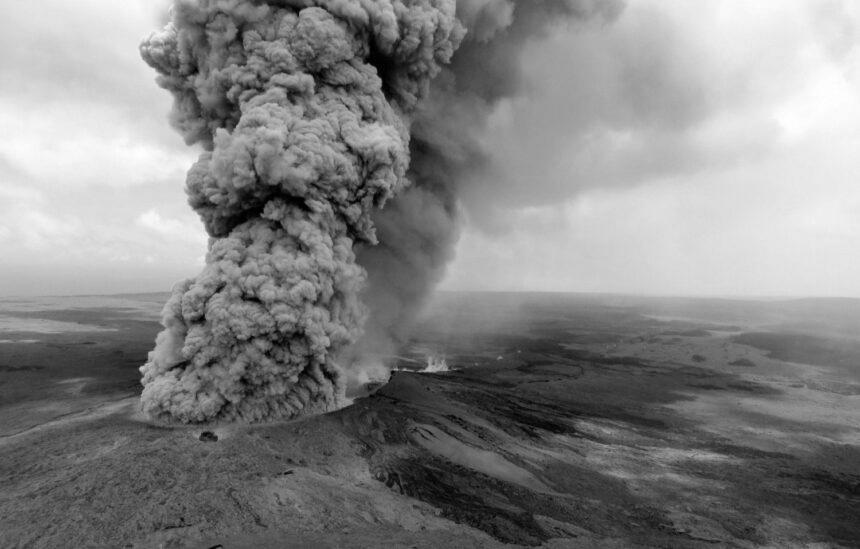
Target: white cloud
{"x": 96, "y": 149}
{"x": 172, "y": 229}
{"x": 86, "y": 147}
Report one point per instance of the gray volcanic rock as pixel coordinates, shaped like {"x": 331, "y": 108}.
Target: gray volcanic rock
{"x": 535, "y": 439}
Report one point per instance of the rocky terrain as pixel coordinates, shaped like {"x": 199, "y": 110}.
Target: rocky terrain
{"x": 563, "y": 421}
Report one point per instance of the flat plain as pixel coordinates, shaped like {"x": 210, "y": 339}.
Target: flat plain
{"x": 564, "y": 420}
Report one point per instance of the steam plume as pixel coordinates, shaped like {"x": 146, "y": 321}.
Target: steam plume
{"x": 304, "y": 109}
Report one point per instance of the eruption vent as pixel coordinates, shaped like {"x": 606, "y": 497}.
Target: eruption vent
{"x": 304, "y": 109}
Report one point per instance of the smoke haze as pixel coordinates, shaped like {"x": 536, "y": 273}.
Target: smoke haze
{"x": 419, "y": 229}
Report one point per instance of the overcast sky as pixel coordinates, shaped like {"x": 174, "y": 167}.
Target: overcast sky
{"x": 706, "y": 148}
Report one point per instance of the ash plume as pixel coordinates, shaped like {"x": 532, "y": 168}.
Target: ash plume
{"x": 418, "y": 229}
{"x": 325, "y": 238}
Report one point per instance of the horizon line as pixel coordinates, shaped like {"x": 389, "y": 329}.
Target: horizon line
{"x": 595, "y": 293}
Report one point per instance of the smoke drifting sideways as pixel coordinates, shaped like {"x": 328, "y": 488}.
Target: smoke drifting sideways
{"x": 324, "y": 238}
{"x": 419, "y": 229}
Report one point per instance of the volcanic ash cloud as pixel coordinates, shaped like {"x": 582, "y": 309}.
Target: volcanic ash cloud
{"x": 303, "y": 109}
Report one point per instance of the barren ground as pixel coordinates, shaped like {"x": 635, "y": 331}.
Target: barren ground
{"x": 568, "y": 420}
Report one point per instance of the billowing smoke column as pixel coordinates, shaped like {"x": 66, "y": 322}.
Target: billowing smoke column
{"x": 304, "y": 110}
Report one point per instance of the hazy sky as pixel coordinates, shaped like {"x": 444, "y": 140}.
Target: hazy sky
{"x": 688, "y": 148}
